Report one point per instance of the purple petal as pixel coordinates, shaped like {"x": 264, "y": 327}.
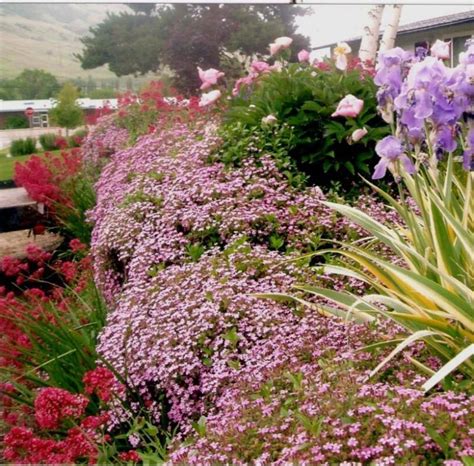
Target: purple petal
{"x": 389, "y": 147}
{"x": 408, "y": 164}
{"x": 380, "y": 169}
{"x": 424, "y": 105}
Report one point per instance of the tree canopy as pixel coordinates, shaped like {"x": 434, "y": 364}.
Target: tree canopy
{"x": 67, "y": 114}
{"x": 184, "y": 36}
{"x": 30, "y": 84}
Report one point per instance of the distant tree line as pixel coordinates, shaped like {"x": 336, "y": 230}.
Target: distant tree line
{"x": 39, "y": 84}
{"x": 184, "y": 36}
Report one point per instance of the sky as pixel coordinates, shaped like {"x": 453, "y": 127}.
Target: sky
{"x": 337, "y": 22}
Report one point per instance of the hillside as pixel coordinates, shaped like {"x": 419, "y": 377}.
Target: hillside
{"x": 47, "y": 35}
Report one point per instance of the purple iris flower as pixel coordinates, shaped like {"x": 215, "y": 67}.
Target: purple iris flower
{"x": 468, "y": 155}
{"x": 445, "y": 140}
{"x": 391, "y": 70}
{"x": 467, "y": 57}
{"x": 421, "y": 53}
{"x": 390, "y": 149}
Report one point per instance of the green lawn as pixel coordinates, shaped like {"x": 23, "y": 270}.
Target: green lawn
{"x": 7, "y": 164}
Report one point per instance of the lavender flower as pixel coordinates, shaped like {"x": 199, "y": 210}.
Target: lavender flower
{"x": 390, "y": 150}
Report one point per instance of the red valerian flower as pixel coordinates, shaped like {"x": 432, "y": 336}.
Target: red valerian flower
{"x": 130, "y": 456}
{"x": 52, "y": 405}
{"x": 76, "y": 245}
{"x": 100, "y": 381}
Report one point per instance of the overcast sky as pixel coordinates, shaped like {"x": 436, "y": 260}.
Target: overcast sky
{"x": 332, "y": 23}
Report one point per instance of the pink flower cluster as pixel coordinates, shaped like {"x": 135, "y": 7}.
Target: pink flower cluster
{"x": 181, "y": 246}
{"x": 304, "y": 399}
{"x": 161, "y": 198}
{"x": 103, "y": 140}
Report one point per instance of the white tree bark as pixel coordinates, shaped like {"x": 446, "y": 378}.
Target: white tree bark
{"x": 390, "y": 32}
{"x": 370, "y": 37}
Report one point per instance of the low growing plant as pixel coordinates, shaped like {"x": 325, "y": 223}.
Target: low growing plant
{"x": 48, "y": 142}
{"x": 25, "y": 146}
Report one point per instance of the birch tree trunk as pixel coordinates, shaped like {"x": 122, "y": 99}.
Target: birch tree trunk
{"x": 390, "y": 33}
{"x": 370, "y": 37}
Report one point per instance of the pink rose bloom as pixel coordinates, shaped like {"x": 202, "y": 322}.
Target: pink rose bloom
{"x": 358, "y": 134}
{"x": 274, "y": 48}
{"x": 441, "y": 49}
{"x": 209, "y": 98}
{"x": 209, "y": 77}
{"x": 284, "y": 42}
{"x": 240, "y": 82}
{"x": 259, "y": 66}
{"x": 303, "y": 55}
{"x": 280, "y": 44}
{"x": 276, "y": 67}
{"x": 349, "y": 106}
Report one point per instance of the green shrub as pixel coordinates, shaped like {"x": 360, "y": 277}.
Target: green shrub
{"x": 48, "y": 142}
{"x": 76, "y": 139}
{"x": 16, "y": 122}
{"x": 309, "y": 139}
{"x": 23, "y": 146}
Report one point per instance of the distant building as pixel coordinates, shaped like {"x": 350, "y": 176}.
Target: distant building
{"x": 41, "y": 108}
{"x": 457, "y": 28}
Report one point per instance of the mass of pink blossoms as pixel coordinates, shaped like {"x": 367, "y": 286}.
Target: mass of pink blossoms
{"x": 181, "y": 244}
{"x": 304, "y": 399}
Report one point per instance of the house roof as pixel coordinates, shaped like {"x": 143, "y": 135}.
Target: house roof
{"x": 48, "y": 104}
{"x": 432, "y": 23}
{"x": 425, "y": 24}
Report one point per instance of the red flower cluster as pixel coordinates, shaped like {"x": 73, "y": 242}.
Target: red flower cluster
{"x": 19, "y": 279}
{"x": 91, "y": 118}
{"x": 76, "y": 246}
{"x": 61, "y": 143}
{"x": 129, "y": 457}
{"x": 22, "y": 446}
{"x": 53, "y": 405}
{"x": 152, "y": 100}
{"x": 80, "y": 443}
{"x": 11, "y": 266}
{"x": 366, "y": 68}
{"x": 42, "y": 177}
{"x": 102, "y": 382}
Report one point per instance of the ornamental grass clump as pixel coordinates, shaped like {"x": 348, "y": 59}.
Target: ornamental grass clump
{"x": 429, "y": 291}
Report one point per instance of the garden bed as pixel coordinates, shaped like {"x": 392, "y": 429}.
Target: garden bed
{"x": 238, "y": 313}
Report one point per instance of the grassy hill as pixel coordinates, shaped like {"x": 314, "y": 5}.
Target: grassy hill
{"x": 46, "y": 36}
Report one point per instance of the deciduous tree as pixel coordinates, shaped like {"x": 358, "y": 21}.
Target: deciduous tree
{"x": 67, "y": 114}
{"x": 184, "y": 36}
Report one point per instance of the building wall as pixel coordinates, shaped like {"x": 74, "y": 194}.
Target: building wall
{"x": 457, "y": 33}
{"x": 407, "y": 41}
{"x": 5, "y": 115}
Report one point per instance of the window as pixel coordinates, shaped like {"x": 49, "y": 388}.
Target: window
{"x": 458, "y": 45}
